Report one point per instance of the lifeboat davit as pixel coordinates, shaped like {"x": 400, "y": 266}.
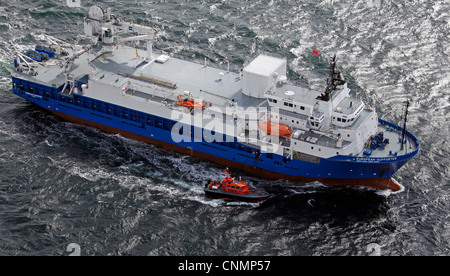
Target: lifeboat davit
{"x": 189, "y": 102}
{"x": 232, "y": 189}
{"x": 275, "y": 129}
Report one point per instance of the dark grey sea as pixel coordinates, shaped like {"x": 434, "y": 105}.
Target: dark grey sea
{"x": 63, "y": 184}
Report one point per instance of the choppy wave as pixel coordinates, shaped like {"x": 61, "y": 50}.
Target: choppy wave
{"x": 62, "y": 183}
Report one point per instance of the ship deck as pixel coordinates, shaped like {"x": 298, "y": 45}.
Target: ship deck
{"x": 393, "y": 147}
{"x": 173, "y": 77}
{"x": 212, "y": 85}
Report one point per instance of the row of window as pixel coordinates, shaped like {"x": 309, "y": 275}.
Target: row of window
{"x": 286, "y": 104}
{"x": 319, "y": 149}
{"x": 339, "y": 119}
{"x": 286, "y": 119}
{"x": 33, "y": 88}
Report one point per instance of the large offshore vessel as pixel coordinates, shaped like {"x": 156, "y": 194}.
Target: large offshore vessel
{"x": 253, "y": 119}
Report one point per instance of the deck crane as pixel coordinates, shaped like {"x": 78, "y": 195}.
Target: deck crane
{"x": 106, "y": 28}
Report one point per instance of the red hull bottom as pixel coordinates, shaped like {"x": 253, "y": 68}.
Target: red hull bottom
{"x": 376, "y": 183}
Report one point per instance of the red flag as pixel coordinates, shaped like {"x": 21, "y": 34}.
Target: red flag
{"x": 315, "y": 52}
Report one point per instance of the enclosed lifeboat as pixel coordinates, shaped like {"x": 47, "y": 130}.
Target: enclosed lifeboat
{"x": 272, "y": 128}
{"x": 189, "y": 102}
{"x": 228, "y": 187}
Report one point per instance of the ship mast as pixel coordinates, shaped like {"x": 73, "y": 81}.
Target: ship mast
{"x": 404, "y": 124}
{"x": 336, "y": 79}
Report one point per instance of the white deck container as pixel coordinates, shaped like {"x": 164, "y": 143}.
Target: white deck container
{"x": 261, "y": 74}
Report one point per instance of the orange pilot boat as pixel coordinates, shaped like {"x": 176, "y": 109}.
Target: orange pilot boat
{"x": 272, "y": 128}
{"x": 229, "y": 188}
{"x": 189, "y": 102}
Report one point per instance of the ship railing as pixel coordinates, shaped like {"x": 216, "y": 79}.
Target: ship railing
{"x": 151, "y": 90}
{"x": 224, "y": 64}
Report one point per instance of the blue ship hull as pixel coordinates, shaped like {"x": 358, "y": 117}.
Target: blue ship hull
{"x": 342, "y": 170}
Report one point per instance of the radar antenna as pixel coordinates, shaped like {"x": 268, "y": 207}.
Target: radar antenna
{"x": 337, "y": 78}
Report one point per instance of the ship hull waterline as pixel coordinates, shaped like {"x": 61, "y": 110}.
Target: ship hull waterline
{"x": 379, "y": 183}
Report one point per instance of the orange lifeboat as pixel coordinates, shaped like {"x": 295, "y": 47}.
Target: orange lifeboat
{"x": 275, "y": 129}
{"x": 189, "y": 102}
